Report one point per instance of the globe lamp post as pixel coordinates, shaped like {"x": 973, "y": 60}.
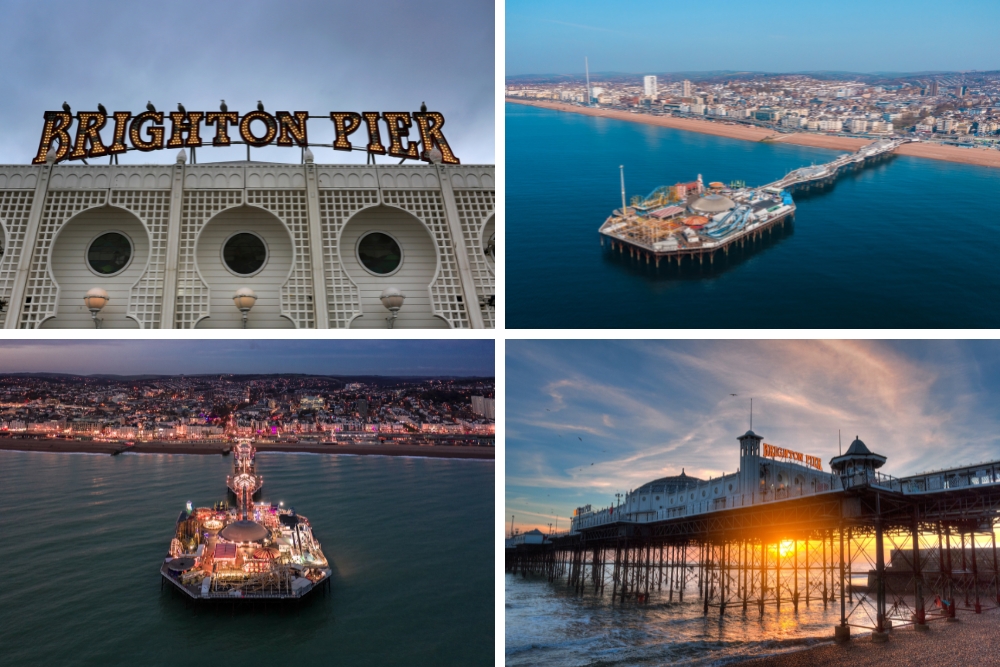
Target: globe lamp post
{"x": 392, "y": 299}
{"x": 96, "y": 299}
{"x": 244, "y": 300}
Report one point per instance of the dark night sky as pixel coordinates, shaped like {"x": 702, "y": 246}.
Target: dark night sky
{"x": 194, "y": 357}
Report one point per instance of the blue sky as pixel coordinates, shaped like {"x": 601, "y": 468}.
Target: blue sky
{"x": 294, "y": 55}
{"x": 586, "y": 419}
{"x": 328, "y": 357}
{"x": 778, "y": 36}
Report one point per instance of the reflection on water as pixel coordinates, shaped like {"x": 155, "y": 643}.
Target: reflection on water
{"x": 549, "y": 624}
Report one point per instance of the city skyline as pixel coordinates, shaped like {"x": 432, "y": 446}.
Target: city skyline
{"x": 588, "y": 419}
{"x": 307, "y": 56}
{"x": 200, "y": 357}
{"x": 649, "y": 38}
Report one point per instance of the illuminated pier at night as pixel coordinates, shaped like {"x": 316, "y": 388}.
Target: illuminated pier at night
{"x": 253, "y": 550}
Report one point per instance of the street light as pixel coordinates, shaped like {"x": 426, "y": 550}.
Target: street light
{"x": 96, "y": 298}
{"x": 244, "y": 300}
{"x": 392, "y": 299}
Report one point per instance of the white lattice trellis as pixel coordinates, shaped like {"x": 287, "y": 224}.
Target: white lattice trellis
{"x": 192, "y": 292}
{"x": 335, "y": 207}
{"x": 297, "y": 291}
{"x": 41, "y": 291}
{"x": 15, "y": 207}
{"x": 145, "y": 300}
{"x": 446, "y": 289}
{"x": 474, "y": 208}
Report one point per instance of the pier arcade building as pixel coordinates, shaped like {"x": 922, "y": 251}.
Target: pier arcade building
{"x": 759, "y": 479}
{"x": 318, "y": 245}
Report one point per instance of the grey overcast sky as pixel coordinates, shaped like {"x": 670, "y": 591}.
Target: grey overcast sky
{"x": 295, "y": 55}
{"x": 194, "y": 357}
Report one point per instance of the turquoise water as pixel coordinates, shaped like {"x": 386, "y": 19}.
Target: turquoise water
{"x": 410, "y": 541}
{"x": 907, "y": 243}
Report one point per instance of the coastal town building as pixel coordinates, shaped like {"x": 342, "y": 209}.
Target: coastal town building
{"x": 961, "y": 109}
{"x": 213, "y": 408}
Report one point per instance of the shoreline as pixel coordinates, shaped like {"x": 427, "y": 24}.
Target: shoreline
{"x": 981, "y": 157}
{"x": 90, "y": 447}
{"x": 973, "y": 640}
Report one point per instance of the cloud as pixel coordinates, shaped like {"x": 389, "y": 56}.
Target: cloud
{"x": 384, "y": 55}
{"x": 646, "y": 409}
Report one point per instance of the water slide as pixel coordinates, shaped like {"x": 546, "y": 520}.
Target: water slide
{"x": 736, "y": 220}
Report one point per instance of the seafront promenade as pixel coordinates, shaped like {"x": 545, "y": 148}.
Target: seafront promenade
{"x": 166, "y": 447}
{"x": 982, "y": 157}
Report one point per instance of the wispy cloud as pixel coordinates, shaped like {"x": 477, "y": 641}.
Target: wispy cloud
{"x": 595, "y": 417}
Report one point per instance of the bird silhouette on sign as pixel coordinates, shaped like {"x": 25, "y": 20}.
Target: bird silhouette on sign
{"x": 423, "y": 108}
{"x": 100, "y": 107}
{"x": 66, "y": 108}
{"x": 222, "y": 106}
{"x": 260, "y": 105}
{"x": 180, "y": 107}
{"x": 150, "y": 107}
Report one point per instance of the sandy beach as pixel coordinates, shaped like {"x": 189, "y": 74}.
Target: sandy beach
{"x": 90, "y": 447}
{"x": 974, "y": 640}
{"x": 983, "y": 157}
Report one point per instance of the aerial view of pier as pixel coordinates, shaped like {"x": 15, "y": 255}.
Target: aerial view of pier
{"x": 688, "y": 220}
{"x": 250, "y": 550}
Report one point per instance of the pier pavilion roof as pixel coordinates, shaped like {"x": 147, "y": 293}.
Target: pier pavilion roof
{"x": 670, "y": 484}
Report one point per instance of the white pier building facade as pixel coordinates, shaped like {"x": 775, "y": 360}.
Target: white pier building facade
{"x": 317, "y": 246}
{"x": 766, "y": 473}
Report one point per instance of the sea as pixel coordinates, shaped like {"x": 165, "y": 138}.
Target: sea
{"x": 82, "y": 537}
{"x": 904, "y": 243}
{"x": 549, "y": 624}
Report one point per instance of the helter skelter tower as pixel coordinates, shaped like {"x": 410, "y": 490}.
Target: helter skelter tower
{"x": 245, "y": 483}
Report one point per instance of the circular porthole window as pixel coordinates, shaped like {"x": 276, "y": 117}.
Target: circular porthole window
{"x": 244, "y": 253}
{"x": 379, "y": 253}
{"x": 109, "y": 253}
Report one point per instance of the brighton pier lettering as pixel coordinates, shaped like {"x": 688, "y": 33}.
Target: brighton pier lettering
{"x": 148, "y": 131}
{"x": 772, "y": 452}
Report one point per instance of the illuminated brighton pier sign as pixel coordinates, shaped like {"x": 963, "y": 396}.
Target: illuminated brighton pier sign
{"x": 772, "y": 452}
{"x": 408, "y": 135}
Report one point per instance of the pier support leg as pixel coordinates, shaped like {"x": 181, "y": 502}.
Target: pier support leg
{"x": 879, "y": 635}
{"x": 763, "y": 577}
{"x": 824, "y": 572}
{"x": 795, "y": 566}
{"x": 965, "y": 570}
{"x": 842, "y": 633}
{"x": 683, "y": 572}
{"x": 996, "y": 575}
{"x": 708, "y": 579}
{"x": 919, "y": 619}
{"x": 975, "y": 571}
{"x": 746, "y": 571}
